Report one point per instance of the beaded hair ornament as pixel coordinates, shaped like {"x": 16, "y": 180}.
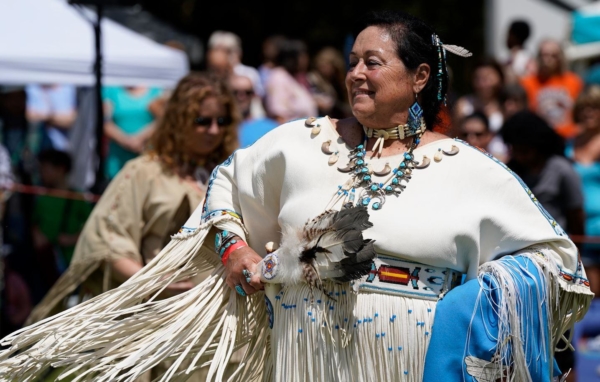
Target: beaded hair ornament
{"x": 442, "y": 67}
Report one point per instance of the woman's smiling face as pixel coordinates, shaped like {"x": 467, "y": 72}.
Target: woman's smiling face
{"x": 380, "y": 87}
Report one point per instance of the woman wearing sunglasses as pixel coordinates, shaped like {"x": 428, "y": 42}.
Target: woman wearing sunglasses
{"x": 152, "y": 196}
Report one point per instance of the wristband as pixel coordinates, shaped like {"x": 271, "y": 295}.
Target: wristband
{"x": 232, "y": 246}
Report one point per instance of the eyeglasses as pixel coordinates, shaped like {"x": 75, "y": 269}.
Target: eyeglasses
{"x": 207, "y": 121}
{"x": 247, "y": 93}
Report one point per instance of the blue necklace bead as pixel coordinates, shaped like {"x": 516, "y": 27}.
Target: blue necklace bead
{"x": 376, "y": 191}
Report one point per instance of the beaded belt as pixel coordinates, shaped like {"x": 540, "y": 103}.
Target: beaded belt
{"x": 391, "y": 275}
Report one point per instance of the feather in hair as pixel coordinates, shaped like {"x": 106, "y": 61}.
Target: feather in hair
{"x": 458, "y": 50}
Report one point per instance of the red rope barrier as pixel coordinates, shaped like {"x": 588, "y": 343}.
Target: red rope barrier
{"x": 65, "y": 194}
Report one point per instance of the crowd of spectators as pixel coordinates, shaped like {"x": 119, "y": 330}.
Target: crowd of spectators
{"x": 530, "y": 112}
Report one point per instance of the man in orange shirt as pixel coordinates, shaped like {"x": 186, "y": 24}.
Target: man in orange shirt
{"x": 553, "y": 90}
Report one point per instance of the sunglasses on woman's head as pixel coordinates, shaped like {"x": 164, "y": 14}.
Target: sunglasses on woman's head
{"x": 207, "y": 121}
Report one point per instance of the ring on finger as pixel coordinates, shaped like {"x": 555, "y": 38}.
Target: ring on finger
{"x": 240, "y": 290}
{"x": 248, "y": 275}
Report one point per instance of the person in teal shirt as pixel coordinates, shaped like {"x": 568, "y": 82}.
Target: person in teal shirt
{"x": 129, "y": 116}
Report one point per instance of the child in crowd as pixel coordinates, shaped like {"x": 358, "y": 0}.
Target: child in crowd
{"x": 57, "y": 221}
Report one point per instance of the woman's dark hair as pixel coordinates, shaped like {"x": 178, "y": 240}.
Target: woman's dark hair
{"x": 414, "y": 47}
{"x": 525, "y": 128}
{"x": 289, "y": 53}
{"x": 477, "y": 115}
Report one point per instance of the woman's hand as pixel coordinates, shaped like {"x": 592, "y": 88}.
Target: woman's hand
{"x": 240, "y": 259}
{"x": 134, "y": 143}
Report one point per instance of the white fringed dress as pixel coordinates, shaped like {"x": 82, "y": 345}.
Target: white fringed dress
{"x": 457, "y": 213}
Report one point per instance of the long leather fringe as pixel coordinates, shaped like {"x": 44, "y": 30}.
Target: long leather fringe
{"x": 119, "y": 335}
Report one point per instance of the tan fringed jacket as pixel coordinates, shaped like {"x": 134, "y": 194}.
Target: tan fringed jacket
{"x": 138, "y": 212}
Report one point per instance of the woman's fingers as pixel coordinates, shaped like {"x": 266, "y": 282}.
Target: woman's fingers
{"x": 253, "y": 276}
{"x": 256, "y": 283}
{"x": 249, "y": 289}
{"x": 241, "y": 269}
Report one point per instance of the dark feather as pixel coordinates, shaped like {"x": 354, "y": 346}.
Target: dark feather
{"x": 356, "y": 271}
{"x": 334, "y": 242}
{"x": 350, "y": 240}
{"x": 356, "y": 218}
{"x": 366, "y": 253}
{"x": 358, "y": 265}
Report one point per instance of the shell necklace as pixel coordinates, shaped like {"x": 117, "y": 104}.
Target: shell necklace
{"x": 371, "y": 192}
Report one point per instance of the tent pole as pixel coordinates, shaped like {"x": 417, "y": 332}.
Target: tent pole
{"x": 99, "y": 181}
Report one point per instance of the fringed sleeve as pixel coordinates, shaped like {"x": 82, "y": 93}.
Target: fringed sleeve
{"x": 122, "y": 333}
{"x": 126, "y": 331}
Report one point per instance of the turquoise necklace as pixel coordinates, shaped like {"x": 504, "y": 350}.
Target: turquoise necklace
{"x": 373, "y": 193}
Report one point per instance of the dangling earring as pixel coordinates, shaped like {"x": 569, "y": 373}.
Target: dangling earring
{"x": 414, "y": 115}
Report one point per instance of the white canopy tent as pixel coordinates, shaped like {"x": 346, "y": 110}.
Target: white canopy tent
{"x": 51, "y": 41}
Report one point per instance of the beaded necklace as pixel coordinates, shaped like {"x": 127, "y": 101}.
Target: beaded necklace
{"x": 361, "y": 177}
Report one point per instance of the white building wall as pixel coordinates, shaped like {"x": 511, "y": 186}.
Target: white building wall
{"x": 545, "y": 20}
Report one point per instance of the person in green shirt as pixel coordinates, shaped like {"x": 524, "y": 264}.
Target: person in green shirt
{"x": 57, "y": 220}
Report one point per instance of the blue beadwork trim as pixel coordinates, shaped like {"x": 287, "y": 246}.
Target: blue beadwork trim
{"x": 269, "y": 311}
{"x": 217, "y": 213}
{"x": 186, "y": 229}
{"x": 211, "y": 180}
{"x": 571, "y": 278}
{"x": 557, "y": 228}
